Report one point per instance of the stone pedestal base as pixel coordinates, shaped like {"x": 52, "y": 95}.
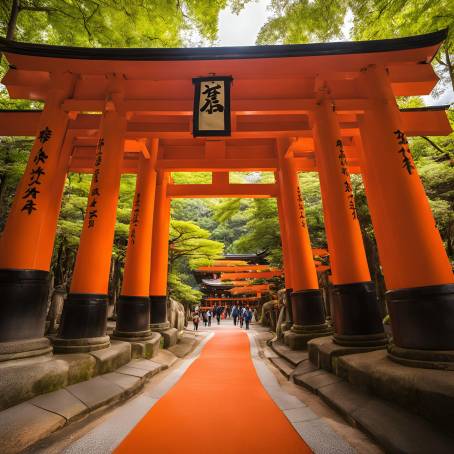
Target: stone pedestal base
{"x": 427, "y": 359}
{"x": 132, "y": 337}
{"x": 80, "y": 345}
{"x": 25, "y": 349}
{"x": 361, "y": 341}
{"x": 170, "y": 337}
{"x": 159, "y": 327}
{"x": 324, "y": 352}
{"x": 146, "y": 349}
{"x": 286, "y": 326}
{"x": 298, "y": 337}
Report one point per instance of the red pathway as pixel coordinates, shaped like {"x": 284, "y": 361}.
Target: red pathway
{"x": 218, "y": 406}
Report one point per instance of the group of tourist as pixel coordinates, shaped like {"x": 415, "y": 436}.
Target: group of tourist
{"x": 241, "y": 315}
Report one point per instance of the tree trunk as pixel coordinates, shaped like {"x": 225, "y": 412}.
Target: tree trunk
{"x": 12, "y": 22}
{"x": 450, "y": 67}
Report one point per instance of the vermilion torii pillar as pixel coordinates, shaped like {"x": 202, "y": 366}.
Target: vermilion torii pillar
{"x": 84, "y": 317}
{"x": 286, "y": 253}
{"x": 160, "y": 256}
{"x": 417, "y": 271}
{"x": 307, "y": 302}
{"x": 27, "y": 240}
{"x": 357, "y": 317}
{"x": 133, "y": 307}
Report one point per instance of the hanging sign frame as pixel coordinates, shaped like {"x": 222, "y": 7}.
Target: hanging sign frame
{"x": 211, "y": 114}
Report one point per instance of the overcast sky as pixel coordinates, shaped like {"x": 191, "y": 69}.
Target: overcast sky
{"x": 242, "y": 30}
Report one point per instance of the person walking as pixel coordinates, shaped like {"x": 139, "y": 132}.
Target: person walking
{"x": 209, "y": 315}
{"x": 241, "y": 316}
{"x": 204, "y": 318}
{"x": 235, "y": 314}
{"x": 247, "y": 317}
{"x": 195, "y": 321}
{"x": 218, "y": 314}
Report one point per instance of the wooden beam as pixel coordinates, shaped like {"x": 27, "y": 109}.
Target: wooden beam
{"x": 222, "y": 190}
{"x": 216, "y": 165}
{"x": 252, "y": 275}
{"x": 23, "y": 123}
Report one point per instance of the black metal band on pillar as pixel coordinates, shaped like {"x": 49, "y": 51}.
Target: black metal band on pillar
{"x": 83, "y": 324}
{"x": 309, "y": 319}
{"x": 133, "y": 317}
{"x": 357, "y": 317}
{"x": 158, "y": 309}
{"x": 84, "y": 315}
{"x": 23, "y": 304}
{"x": 423, "y": 317}
{"x": 308, "y": 307}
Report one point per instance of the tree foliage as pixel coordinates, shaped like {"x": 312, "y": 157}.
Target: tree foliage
{"x": 305, "y": 21}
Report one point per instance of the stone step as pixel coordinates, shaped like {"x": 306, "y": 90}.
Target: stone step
{"x": 294, "y": 357}
{"x": 165, "y": 358}
{"x": 395, "y": 429}
{"x": 427, "y": 392}
{"x": 184, "y": 346}
{"x": 284, "y": 367}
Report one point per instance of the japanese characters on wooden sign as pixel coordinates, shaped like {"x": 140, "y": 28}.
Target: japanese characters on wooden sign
{"x": 92, "y": 211}
{"x": 347, "y": 184}
{"x": 212, "y": 106}
{"x": 407, "y": 160}
{"x": 301, "y": 214}
{"x": 31, "y": 193}
{"x": 135, "y": 217}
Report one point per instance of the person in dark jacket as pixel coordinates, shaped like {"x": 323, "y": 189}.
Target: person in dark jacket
{"x": 247, "y": 317}
{"x": 235, "y": 313}
{"x": 218, "y": 313}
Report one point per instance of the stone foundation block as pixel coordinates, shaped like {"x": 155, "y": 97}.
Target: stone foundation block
{"x": 324, "y": 352}
{"x": 170, "y": 337}
{"x": 82, "y": 366}
{"x": 62, "y": 403}
{"x": 297, "y": 341}
{"x": 146, "y": 349}
{"x": 427, "y": 392}
{"x": 29, "y": 424}
{"x": 113, "y": 357}
{"x": 22, "y": 379}
{"x": 165, "y": 359}
{"x": 96, "y": 392}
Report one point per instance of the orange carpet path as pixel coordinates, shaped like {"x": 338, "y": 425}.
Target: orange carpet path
{"x": 218, "y": 405}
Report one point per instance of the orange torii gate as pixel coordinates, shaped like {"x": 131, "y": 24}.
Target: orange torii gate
{"x": 252, "y": 275}
{"x": 233, "y": 269}
{"x": 262, "y": 288}
{"x": 326, "y": 107}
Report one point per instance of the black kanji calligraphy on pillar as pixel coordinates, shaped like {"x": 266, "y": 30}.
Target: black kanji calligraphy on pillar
{"x": 212, "y": 106}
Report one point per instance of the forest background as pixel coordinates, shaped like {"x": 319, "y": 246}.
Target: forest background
{"x": 202, "y": 229}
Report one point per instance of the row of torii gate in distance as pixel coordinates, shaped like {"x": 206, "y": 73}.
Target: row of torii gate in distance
{"x": 329, "y": 108}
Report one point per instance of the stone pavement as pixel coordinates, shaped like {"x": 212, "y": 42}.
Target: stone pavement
{"x": 319, "y": 426}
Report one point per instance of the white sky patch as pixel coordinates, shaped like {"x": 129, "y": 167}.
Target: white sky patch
{"x": 242, "y": 29}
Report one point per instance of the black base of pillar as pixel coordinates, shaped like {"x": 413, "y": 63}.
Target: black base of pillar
{"x": 288, "y": 296}
{"x": 133, "y": 318}
{"x": 158, "y": 312}
{"x": 357, "y": 318}
{"x": 308, "y": 308}
{"x": 83, "y": 324}
{"x": 422, "y": 321}
{"x": 308, "y": 319}
{"x": 23, "y": 306}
